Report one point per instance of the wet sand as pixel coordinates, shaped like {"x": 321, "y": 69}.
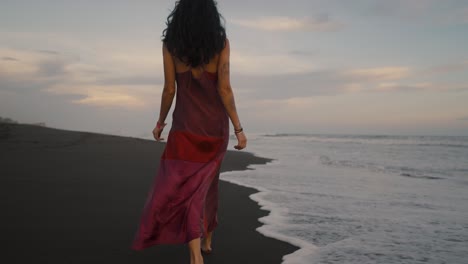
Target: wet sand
{"x": 76, "y": 197}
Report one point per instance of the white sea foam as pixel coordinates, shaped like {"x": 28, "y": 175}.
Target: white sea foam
{"x": 362, "y": 199}
{"x": 274, "y": 221}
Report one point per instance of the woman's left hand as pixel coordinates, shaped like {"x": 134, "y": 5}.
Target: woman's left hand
{"x": 158, "y": 130}
{"x": 241, "y": 141}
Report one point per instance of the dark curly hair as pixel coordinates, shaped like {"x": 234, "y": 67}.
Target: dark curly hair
{"x": 194, "y": 32}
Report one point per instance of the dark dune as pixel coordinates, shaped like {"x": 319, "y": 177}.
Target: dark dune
{"x": 76, "y": 197}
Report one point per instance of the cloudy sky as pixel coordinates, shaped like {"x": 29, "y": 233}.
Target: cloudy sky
{"x": 305, "y": 66}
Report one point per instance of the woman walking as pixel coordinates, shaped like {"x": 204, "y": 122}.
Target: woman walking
{"x": 182, "y": 203}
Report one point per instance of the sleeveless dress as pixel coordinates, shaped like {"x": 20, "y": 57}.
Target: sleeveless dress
{"x": 182, "y": 202}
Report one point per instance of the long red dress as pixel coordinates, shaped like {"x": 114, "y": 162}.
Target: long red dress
{"x": 183, "y": 200}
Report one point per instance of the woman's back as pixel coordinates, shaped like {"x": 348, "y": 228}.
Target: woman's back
{"x": 211, "y": 67}
{"x": 199, "y": 108}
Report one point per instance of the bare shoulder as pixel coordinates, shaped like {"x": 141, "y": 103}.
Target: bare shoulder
{"x": 165, "y": 49}
{"x": 225, "y": 53}
{"x": 227, "y": 45}
{"x": 223, "y": 63}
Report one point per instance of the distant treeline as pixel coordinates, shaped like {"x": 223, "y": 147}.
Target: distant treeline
{"x": 8, "y": 120}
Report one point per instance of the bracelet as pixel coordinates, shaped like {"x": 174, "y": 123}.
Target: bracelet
{"x": 238, "y": 131}
{"x": 159, "y": 125}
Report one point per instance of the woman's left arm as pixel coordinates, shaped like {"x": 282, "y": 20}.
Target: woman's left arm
{"x": 168, "y": 93}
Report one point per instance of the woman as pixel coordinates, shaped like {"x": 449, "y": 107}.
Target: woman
{"x": 182, "y": 204}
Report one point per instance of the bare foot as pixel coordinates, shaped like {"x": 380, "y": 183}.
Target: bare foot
{"x": 206, "y": 249}
{"x": 206, "y": 244}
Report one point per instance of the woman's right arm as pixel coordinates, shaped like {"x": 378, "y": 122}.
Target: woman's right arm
{"x": 168, "y": 92}
{"x": 227, "y": 96}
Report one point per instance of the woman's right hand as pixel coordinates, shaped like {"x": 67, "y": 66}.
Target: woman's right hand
{"x": 241, "y": 141}
{"x": 158, "y": 130}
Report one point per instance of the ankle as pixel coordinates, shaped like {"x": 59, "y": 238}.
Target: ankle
{"x": 195, "y": 254}
{"x": 196, "y": 258}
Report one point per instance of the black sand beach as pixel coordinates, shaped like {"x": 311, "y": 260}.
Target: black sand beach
{"x": 76, "y": 197}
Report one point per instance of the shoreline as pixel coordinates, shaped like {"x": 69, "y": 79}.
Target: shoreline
{"x": 75, "y": 196}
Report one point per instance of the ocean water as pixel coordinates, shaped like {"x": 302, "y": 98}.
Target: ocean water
{"x": 363, "y": 199}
